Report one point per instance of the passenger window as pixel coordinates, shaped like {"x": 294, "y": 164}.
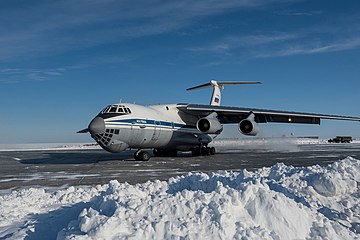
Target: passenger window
{"x": 128, "y": 110}
{"x": 112, "y": 109}
{"x": 120, "y": 110}
{"x": 125, "y": 109}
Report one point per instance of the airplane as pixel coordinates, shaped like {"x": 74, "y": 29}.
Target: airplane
{"x": 170, "y": 128}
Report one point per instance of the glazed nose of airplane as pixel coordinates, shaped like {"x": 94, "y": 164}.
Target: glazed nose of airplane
{"x": 97, "y": 126}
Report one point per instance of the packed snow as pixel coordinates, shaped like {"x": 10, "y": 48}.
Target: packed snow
{"x": 280, "y": 202}
{"x": 270, "y": 143}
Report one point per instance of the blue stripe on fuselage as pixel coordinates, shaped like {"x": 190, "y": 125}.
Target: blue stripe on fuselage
{"x": 152, "y": 122}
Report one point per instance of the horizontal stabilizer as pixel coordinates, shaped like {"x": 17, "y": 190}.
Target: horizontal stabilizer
{"x": 212, "y": 83}
{"x": 200, "y": 86}
{"x": 218, "y": 87}
{"x": 237, "y": 83}
{"x": 86, "y": 130}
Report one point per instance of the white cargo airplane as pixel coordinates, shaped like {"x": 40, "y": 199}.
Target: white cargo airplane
{"x": 183, "y": 127}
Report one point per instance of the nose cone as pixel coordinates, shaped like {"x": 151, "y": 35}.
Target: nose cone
{"x": 97, "y": 126}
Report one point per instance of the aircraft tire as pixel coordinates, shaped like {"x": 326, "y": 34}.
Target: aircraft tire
{"x": 195, "y": 152}
{"x": 142, "y": 156}
{"x": 145, "y": 156}
{"x": 165, "y": 153}
{"x": 205, "y": 151}
{"x": 156, "y": 152}
{"x": 174, "y": 153}
{"x": 212, "y": 151}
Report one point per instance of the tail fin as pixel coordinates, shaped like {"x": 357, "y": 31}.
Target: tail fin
{"x": 217, "y": 87}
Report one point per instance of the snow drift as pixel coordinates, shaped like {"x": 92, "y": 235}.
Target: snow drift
{"x": 281, "y": 202}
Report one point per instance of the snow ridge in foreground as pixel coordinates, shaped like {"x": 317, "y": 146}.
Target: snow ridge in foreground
{"x": 281, "y": 202}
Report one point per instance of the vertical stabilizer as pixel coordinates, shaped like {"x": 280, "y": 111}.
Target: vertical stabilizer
{"x": 217, "y": 88}
{"x": 216, "y": 94}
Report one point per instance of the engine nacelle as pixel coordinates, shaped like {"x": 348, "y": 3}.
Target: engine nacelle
{"x": 209, "y": 125}
{"x": 249, "y": 127}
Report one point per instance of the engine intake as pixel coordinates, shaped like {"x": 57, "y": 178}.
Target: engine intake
{"x": 209, "y": 124}
{"x": 248, "y": 126}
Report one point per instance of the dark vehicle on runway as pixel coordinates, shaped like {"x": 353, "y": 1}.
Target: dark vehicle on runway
{"x": 341, "y": 139}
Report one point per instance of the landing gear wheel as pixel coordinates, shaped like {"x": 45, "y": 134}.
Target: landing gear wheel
{"x": 159, "y": 152}
{"x": 142, "y": 155}
{"x": 203, "y": 151}
{"x": 212, "y": 151}
{"x": 195, "y": 152}
{"x": 173, "y": 153}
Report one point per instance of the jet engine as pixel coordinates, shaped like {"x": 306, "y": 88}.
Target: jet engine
{"x": 248, "y": 126}
{"x": 209, "y": 124}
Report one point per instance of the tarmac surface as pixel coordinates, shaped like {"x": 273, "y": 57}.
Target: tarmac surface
{"x": 59, "y": 168}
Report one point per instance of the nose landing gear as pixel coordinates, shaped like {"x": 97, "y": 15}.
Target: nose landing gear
{"x": 141, "y": 155}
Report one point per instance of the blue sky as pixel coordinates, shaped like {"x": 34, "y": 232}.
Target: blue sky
{"x": 62, "y": 61}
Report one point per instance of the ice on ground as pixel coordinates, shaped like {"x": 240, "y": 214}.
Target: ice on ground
{"x": 280, "y": 202}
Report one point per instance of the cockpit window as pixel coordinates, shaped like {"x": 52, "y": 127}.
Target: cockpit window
{"x": 112, "y": 109}
{"x": 105, "y": 109}
{"x": 116, "y": 109}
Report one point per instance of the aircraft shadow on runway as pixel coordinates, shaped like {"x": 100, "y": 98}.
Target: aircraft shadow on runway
{"x": 77, "y": 157}
{"x": 88, "y": 157}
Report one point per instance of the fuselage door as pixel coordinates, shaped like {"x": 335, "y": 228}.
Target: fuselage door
{"x": 156, "y": 133}
{"x": 136, "y": 135}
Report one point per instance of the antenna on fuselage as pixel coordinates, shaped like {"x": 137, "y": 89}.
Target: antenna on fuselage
{"x": 217, "y": 88}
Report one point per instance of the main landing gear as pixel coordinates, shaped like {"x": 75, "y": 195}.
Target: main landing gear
{"x": 203, "y": 151}
{"x": 141, "y": 155}
{"x": 158, "y": 152}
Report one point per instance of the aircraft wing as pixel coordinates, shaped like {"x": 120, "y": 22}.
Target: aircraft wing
{"x": 236, "y": 114}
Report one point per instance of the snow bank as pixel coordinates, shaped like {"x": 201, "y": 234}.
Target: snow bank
{"x": 47, "y": 146}
{"x": 281, "y": 202}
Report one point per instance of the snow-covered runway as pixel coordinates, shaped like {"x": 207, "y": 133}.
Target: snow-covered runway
{"x": 72, "y": 165}
{"x": 214, "y": 198}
